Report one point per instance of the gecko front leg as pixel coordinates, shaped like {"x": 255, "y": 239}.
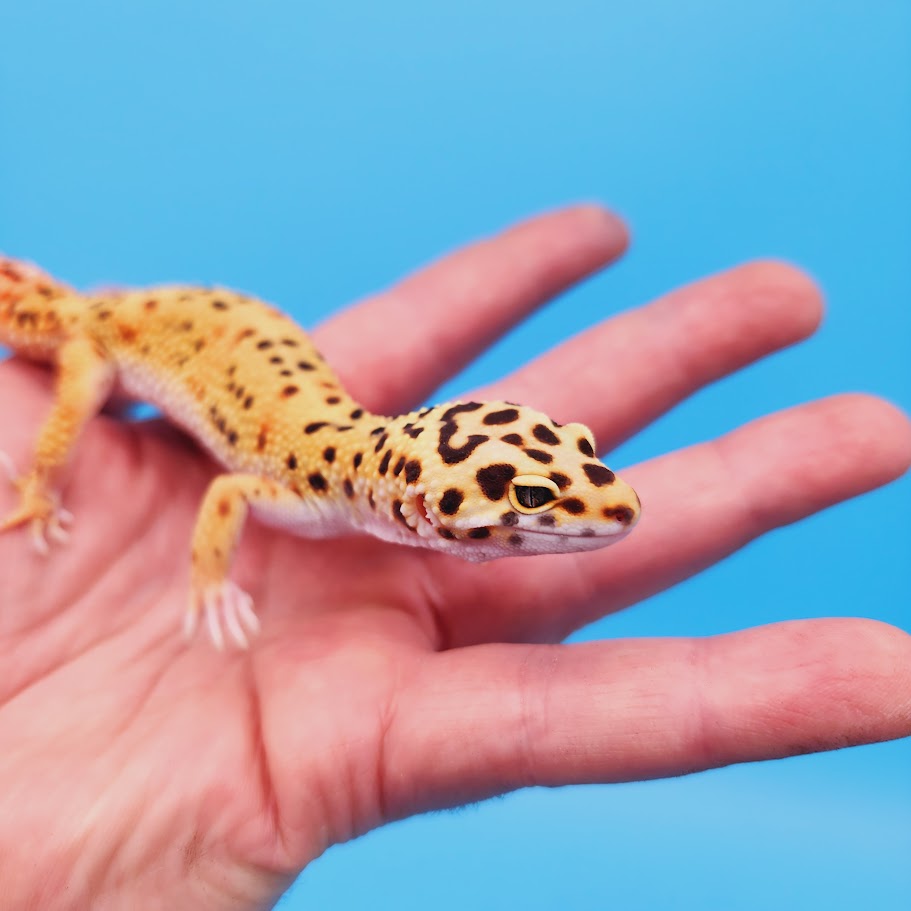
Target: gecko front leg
{"x": 85, "y": 377}
{"x": 225, "y": 606}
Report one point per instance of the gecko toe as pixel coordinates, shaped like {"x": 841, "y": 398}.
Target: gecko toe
{"x": 232, "y": 624}
{"x": 228, "y": 613}
{"x": 214, "y": 624}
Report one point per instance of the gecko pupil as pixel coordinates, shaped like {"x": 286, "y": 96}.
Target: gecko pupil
{"x": 532, "y": 497}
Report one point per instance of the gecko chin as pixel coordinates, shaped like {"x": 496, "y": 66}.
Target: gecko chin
{"x": 482, "y": 544}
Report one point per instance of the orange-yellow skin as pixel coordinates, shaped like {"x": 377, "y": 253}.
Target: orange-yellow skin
{"x": 248, "y": 384}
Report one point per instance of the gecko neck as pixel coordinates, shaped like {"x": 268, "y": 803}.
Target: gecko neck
{"x": 385, "y": 485}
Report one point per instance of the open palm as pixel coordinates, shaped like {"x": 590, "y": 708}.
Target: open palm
{"x": 137, "y": 770}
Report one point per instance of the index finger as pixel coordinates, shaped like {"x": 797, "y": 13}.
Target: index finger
{"x": 392, "y": 350}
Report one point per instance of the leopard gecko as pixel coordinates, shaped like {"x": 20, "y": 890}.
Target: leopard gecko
{"x": 478, "y": 480}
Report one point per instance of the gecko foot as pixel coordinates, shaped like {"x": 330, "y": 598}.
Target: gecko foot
{"x": 226, "y": 608}
{"x": 38, "y": 507}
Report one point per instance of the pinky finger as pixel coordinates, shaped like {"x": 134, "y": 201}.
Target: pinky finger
{"x": 493, "y": 718}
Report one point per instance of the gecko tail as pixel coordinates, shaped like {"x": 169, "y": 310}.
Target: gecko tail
{"x": 30, "y": 308}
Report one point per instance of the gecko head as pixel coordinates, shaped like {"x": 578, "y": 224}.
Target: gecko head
{"x": 505, "y": 480}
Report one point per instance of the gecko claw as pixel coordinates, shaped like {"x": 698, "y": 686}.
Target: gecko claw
{"x": 227, "y": 609}
{"x": 39, "y": 508}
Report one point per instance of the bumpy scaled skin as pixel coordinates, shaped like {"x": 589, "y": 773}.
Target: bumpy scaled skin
{"x": 477, "y": 480}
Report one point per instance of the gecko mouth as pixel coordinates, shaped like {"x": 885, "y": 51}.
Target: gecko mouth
{"x": 588, "y": 533}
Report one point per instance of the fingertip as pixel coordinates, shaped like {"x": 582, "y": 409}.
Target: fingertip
{"x": 878, "y": 431}
{"x": 863, "y": 670}
{"x": 591, "y": 226}
{"x": 602, "y": 220}
{"x": 793, "y": 292}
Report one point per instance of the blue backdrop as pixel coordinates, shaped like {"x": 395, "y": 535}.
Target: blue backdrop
{"x": 313, "y": 152}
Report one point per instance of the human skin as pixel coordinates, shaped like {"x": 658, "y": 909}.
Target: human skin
{"x": 139, "y": 771}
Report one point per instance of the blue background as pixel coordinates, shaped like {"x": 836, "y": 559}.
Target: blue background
{"x": 314, "y": 152}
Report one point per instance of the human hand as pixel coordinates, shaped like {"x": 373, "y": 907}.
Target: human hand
{"x": 139, "y": 771}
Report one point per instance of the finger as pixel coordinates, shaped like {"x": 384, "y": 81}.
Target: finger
{"x": 488, "y": 719}
{"x": 394, "y": 349}
{"x": 622, "y": 374}
{"x": 699, "y": 505}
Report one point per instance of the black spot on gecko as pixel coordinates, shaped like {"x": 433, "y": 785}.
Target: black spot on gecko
{"x": 370, "y": 499}
{"x": 219, "y": 305}
{"x": 450, "y": 413}
{"x": 264, "y": 345}
{"x": 560, "y": 480}
{"x": 333, "y": 400}
{"x": 412, "y": 431}
{"x": 288, "y": 391}
{"x": 317, "y": 481}
{"x": 585, "y": 447}
{"x": 199, "y": 344}
{"x": 348, "y": 487}
{"x": 232, "y": 437}
{"x": 599, "y": 475}
{"x": 329, "y": 454}
{"x": 377, "y": 430}
{"x": 399, "y": 465}
{"x": 290, "y": 342}
{"x": 384, "y": 462}
{"x": 186, "y": 325}
{"x": 545, "y": 435}
{"x": 412, "y": 471}
{"x": 547, "y": 521}
{"x": 509, "y": 518}
{"x": 506, "y": 416}
{"x": 479, "y": 533}
{"x": 451, "y": 501}
{"x": 276, "y": 359}
{"x": 494, "y": 479}
{"x": 572, "y": 505}
{"x": 316, "y": 425}
{"x": 381, "y": 442}
{"x": 286, "y": 373}
{"x": 356, "y": 414}
{"x": 397, "y": 512}
{"x": 446, "y": 533}
{"x": 358, "y": 458}
{"x": 292, "y": 461}
{"x": 513, "y": 439}
{"x": 515, "y": 540}
{"x": 452, "y": 455}
{"x": 545, "y": 457}
{"x": 305, "y": 365}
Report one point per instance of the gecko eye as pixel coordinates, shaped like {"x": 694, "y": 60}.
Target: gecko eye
{"x": 530, "y": 494}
